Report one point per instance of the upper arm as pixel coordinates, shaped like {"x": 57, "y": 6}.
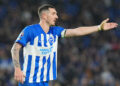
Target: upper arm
{"x": 70, "y": 32}
{"x": 59, "y": 31}
{"x": 24, "y": 37}
{"x": 80, "y": 31}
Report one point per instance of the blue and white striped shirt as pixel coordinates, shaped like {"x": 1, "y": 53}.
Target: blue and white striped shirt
{"x": 40, "y": 52}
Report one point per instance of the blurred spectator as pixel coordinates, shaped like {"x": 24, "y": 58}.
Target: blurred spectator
{"x": 81, "y": 60}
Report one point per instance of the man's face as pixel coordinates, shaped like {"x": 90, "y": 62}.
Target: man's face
{"x": 51, "y": 16}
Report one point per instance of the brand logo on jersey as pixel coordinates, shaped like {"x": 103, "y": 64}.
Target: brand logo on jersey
{"x": 45, "y": 50}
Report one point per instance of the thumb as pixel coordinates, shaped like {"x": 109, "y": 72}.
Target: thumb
{"x": 103, "y": 22}
{"x": 106, "y": 20}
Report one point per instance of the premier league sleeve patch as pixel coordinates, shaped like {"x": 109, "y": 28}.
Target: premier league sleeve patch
{"x": 20, "y": 36}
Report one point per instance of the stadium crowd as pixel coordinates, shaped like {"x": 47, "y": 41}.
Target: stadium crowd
{"x": 91, "y": 60}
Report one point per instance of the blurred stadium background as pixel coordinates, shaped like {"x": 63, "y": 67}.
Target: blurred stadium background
{"x": 92, "y": 60}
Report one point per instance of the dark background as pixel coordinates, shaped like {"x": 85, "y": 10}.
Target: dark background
{"x": 91, "y": 60}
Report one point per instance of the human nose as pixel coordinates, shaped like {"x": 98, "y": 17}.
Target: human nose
{"x": 56, "y": 16}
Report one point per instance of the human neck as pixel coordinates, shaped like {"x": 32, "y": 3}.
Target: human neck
{"x": 44, "y": 26}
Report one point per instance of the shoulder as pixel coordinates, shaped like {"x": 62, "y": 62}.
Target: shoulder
{"x": 56, "y": 27}
{"x": 30, "y": 27}
{"x": 57, "y": 30}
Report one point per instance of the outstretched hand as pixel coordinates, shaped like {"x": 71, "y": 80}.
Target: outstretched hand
{"x": 105, "y": 25}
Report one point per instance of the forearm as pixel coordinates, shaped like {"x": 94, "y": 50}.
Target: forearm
{"x": 15, "y": 55}
{"x": 80, "y": 31}
{"x": 86, "y": 30}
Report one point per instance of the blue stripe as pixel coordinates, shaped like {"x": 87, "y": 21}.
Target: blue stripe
{"x": 39, "y": 40}
{"x": 54, "y": 66}
{"x": 36, "y": 68}
{"x": 22, "y": 63}
{"x": 45, "y": 40}
{"x": 48, "y": 69}
{"x": 55, "y": 38}
{"x": 28, "y": 68}
{"x": 42, "y": 69}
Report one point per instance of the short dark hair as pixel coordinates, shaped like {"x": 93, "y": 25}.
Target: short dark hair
{"x": 44, "y": 7}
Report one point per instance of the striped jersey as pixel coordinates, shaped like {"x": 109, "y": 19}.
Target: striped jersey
{"x": 40, "y": 52}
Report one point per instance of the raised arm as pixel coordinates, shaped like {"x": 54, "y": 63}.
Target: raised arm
{"x": 87, "y": 30}
{"x": 18, "y": 74}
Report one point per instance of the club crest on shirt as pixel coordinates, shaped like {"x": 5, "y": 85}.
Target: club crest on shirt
{"x": 51, "y": 40}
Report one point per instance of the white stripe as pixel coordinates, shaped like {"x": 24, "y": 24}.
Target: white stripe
{"x": 33, "y": 60}
{"x": 56, "y": 45}
{"x": 48, "y": 44}
{"x": 45, "y": 69}
{"x": 47, "y": 56}
{"x": 25, "y": 49}
{"x": 32, "y": 68}
{"x": 42, "y": 40}
{"x": 51, "y": 67}
{"x": 51, "y": 59}
{"x": 25, "y": 63}
{"x": 39, "y": 70}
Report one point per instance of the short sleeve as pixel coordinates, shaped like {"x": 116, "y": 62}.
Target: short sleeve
{"x": 24, "y": 36}
{"x": 60, "y": 31}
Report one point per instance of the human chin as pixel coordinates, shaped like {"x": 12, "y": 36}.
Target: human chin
{"x": 53, "y": 24}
